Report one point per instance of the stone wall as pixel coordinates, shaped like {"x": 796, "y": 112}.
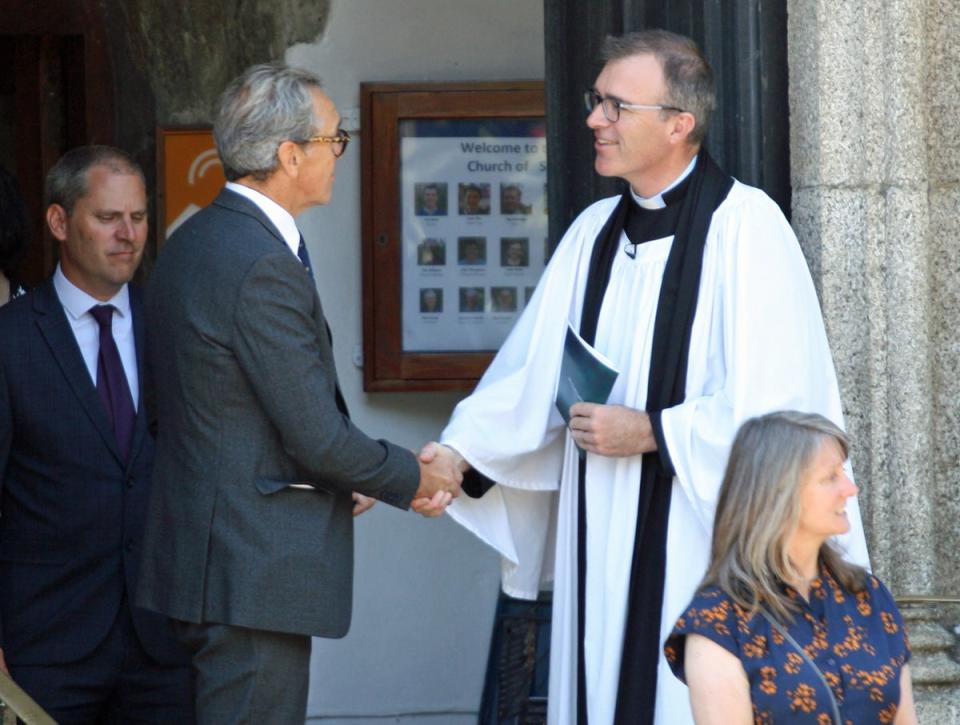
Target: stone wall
{"x": 190, "y": 49}
{"x": 874, "y": 88}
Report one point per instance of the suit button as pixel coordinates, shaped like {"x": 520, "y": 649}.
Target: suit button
{"x": 128, "y": 546}
{"x": 129, "y": 482}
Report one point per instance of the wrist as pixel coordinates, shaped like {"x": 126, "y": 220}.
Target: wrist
{"x": 459, "y": 462}
{"x": 645, "y": 439}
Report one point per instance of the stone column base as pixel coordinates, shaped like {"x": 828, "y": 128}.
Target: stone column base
{"x": 935, "y": 672}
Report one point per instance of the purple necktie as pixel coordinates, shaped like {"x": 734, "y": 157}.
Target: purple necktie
{"x": 112, "y": 382}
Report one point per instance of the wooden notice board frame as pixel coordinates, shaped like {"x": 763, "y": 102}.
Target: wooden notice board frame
{"x": 384, "y": 108}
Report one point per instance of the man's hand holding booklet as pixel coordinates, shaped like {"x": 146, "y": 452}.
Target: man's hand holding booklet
{"x": 585, "y": 375}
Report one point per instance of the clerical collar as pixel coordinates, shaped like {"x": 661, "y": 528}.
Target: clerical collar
{"x": 657, "y": 201}
{"x": 656, "y": 217}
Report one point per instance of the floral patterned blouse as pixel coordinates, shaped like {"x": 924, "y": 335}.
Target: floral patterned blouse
{"x": 856, "y": 639}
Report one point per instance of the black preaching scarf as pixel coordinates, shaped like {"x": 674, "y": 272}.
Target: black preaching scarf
{"x": 690, "y": 207}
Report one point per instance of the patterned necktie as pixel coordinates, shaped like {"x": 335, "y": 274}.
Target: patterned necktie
{"x": 304, "y": 255}
{"x": 112, "y": 382}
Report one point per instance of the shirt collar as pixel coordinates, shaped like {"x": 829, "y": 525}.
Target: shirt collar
{"x": 78, "y": 303}
{"x": 656, "y": 201}
{"x": 280, "y": 217}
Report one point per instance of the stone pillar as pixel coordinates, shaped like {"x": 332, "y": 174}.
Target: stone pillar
{"x": 935, "y": 672}
{"x": 874, "y": 89}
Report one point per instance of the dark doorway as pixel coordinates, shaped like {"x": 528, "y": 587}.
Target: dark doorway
{"x": 57, "y": 94}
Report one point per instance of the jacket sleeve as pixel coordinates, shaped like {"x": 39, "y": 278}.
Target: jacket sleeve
{"x": 279, "y": 349}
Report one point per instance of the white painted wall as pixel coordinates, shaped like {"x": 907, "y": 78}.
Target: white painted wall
{"x": 425, "y": 590}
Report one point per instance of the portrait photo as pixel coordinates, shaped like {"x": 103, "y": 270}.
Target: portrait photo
{"x": 511, "y": 200}
{"x": 504, "y": 299}
{"x": 431, "y": 300}
{"x": 474, "y": 199}
{"x": 472, "y": 299}
{"x": 514, "y": 252}
{"x": 430, "y": 198}
{"x": 472, "y": 251}
{"x": 432, "y": 252}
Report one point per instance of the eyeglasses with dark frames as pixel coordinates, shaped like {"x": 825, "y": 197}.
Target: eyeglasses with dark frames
{"x": 612, "y": 107}
{"x": 338, "y": 143}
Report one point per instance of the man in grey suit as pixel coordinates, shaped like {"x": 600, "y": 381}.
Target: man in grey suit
{"x": 249, "y": 540}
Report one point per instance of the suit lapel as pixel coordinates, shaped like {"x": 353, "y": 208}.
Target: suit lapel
{"x": 235, "y": 202}
{"x": 56, "y": 331}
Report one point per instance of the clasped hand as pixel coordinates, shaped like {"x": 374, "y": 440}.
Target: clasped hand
{"x": 611, "y": 430}
{"x": 441, "y": 474}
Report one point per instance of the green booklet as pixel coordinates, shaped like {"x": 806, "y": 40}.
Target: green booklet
{"x": 585, "y": 374}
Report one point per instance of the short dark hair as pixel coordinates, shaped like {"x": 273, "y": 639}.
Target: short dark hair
{"x": 14, "y": 223}
{"x": 67, "y": 180}
{"x": 686, "y": 72}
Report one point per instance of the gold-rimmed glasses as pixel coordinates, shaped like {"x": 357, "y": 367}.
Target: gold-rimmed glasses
{"x": 338, "y": 143}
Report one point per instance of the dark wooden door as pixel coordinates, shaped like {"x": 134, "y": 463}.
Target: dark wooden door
{"x": 57, "y": 94}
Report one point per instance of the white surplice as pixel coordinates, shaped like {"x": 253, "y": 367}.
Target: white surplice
{"x": 758, "y": 344}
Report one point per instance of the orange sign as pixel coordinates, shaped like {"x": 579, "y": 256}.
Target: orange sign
{"x": 191, "y": 175}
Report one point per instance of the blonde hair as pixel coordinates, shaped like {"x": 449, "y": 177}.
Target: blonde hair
{"x": 759, "y": 508}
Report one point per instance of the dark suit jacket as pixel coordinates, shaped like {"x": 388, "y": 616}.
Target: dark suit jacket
{"x": 71, "y": 511}
{"x": 242, "y": 370}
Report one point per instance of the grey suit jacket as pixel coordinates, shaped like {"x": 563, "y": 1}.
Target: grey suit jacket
{"x": 242, "y": 380}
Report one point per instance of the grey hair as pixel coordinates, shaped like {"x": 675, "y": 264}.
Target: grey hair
{"x": 759, "y": 509}
{"x": 66, "y": 182}
{"x": 686, "y": 73}
{"x": 267, "y": 105}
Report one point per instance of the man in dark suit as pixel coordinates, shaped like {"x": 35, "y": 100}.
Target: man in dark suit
{"x": 75, "y": 463}
{"x": 249, "y": 541}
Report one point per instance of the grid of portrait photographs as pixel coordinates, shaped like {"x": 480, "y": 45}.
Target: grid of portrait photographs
{"x": 474, "y": 236}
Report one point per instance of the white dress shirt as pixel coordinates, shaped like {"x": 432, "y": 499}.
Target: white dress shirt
{"x": 280, "y": 217}
{"x": 77, "y": 303}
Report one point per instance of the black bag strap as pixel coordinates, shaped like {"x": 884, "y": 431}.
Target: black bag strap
{"x": 803, "y": 653}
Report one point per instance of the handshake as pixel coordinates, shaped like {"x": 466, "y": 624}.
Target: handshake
{"x": 441, "y": 473}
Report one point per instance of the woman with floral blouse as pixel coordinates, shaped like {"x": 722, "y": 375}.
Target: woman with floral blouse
{"x": 783, "y": 630}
